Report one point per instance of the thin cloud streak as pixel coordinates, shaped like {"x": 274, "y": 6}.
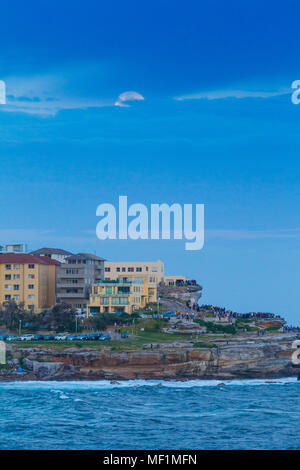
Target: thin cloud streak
{"x": 238, "y": 94}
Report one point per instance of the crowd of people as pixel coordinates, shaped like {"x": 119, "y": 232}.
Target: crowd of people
{"x": 222, "y": 312}
{"x": 291, "y": 329}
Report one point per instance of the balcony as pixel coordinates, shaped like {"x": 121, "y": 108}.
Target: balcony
{"x": 72, "y": 295}
{"x": 64, "y": 275}
{"x": 67, "y": 285}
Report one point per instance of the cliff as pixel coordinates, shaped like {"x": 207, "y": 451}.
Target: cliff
{"x": 251, "y": 357}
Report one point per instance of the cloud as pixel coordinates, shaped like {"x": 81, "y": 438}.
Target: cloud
{"x": 46, "y": 95}
{"x": 128, "y": 96}
{"x": 238, "y": 94}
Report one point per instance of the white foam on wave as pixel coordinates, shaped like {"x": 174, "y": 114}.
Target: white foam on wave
{"x": 57, "y": 387}
{"x": 63, "y": 396}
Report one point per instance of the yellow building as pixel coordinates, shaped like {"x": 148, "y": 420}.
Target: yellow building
{"x": 29, "y": 279}
{"x": 125, "y": 294}
{"x": 153, "y": 269}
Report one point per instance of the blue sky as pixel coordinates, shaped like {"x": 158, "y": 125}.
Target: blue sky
{"x": 209, "y": 120}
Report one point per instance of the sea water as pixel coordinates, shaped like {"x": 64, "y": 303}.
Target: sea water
{"x": 138, "y": 414}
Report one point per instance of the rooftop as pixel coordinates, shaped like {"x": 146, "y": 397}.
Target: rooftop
{"x": 85, "y": 256}
{"x": 51, "y": 251}
{"x": 24, "y": 258}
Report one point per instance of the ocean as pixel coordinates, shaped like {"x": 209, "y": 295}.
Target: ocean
{"x": 139, "y": 414}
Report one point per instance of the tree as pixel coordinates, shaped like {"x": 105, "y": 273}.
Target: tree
{"x": 11, "y": 314}
{"x": 60, "y": 318}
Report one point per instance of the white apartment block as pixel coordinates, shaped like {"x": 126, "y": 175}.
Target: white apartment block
{"x": 153, "y": 269}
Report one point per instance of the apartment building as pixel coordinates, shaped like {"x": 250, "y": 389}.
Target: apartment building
{"x": 29, "y": 279}
{"x": 153, "y": 269}
{"x": 75, "y": 278}
{"x": 14, "y": 248}
{"x": 53, "y": 253}
{"x": 126, "y": 294}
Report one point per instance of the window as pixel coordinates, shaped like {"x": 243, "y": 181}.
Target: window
{"x": 16, "y": 266}
{"x": 72, "y": 290}
{"x": 30, "y": 286}
{"x": 118, "y": 270}
{"x": 31, "y": 296}
{"x": 30, "y": 266}
{"x": 72, "y": 271}
{"x": 30, "y": 276}
{"x": 16, "y": 287}
{"x": 109, "y": 290}
{"x": 119, "y": 301}
{"x": 130, "y": 270}
{"x": 123, "y": 270}
{"x": 154, "y": 270}
{"x": 124, "y": 289}
{"x": 107, "y": 270}
{"x": 7, "y": 297}
{"x": 16, "y": 297}
{"x": 16, "y": 277}
{"x": 147, "y": 269}
{"x": 7, "y": 287}
{"x": 8, "y": 267}
{"x": 7, "y": 277}
{"x": 31, "y": 307}
{"x": 138, "y": 270}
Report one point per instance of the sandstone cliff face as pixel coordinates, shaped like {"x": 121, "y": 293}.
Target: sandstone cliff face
{"x": 268, "y": 357}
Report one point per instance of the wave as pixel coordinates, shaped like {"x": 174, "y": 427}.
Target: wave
{"x": 58, "y": 387}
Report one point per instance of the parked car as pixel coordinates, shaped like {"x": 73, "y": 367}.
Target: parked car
{"x": 73, "y": 338}
{"x": 94, "y": 336}
{"x": 105, "y": 338}
{"x": 3, "y": 337}
{"x": 83, "y": 337}
{"x": 169, "y": 314}
{"x": 39, "y": 337}
{"x": 124, "y": 334}
{"x": 12, "y": 338}
{"x": 27, "y": 337}
{"x": 61, "y": 337}
{"x": 49, "y": 338}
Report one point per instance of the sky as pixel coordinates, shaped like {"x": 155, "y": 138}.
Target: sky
{"x": 165, "y": 102}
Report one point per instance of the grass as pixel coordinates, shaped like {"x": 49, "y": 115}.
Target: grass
{"x": 137, "y": 340}
{"x": 239, "y": 321}
{"x": 273, "y": 328}
{"x": 200, "y": 344}
{"x": 216, "y": 328}
{"x": 58, "y": 344}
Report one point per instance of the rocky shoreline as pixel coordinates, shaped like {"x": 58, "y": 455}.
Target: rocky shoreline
{"x": 267, "y": 357}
